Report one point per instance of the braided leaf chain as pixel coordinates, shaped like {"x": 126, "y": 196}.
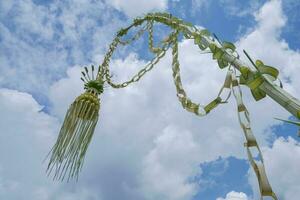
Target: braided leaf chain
{"x": 135, "y": 37}
{"x": 244, "y": 119}
{"x": 104, "y": 67}
{"x": 141, "y": 73}
{"x": 181, "y": 94}
{"x": 150, "y": 42}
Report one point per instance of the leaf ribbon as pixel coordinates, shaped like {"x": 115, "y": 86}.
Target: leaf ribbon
{"x": 218, "y": 53}
{"x": 254, "y": 79}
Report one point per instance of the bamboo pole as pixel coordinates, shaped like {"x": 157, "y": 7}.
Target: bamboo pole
{"x": 278, "y": 94}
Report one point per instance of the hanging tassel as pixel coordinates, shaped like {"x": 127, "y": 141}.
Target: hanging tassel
{"x": 67, "y": 155}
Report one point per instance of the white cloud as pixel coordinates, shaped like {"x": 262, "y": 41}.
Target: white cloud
{"x": 143, "y": 131}
{"x": 240, "y": 9}
{"x": 133, "y": 8}
{"x": 274, "y": 50}
{"x": 57, "y": 93}
{"x": 22, "y": 113}
{"x": 26, "y": 133}
{"x": 34, "y": 35}
{"x": 234, "y": 196}
{"x": 169, "y": 161}
{"x": 264, "y": 43}
{"x": 219, "y": 135}
{"x": 199, "y": 6}
{"x": 283, "y": 156}
{"x": 282, "y": 161}
{"x": 34, "y": 19}
{"x": 271, "y": 18}
{"x": 150, "y": 135}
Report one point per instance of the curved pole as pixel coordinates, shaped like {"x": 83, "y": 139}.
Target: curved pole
{"x": 279, "y": 95}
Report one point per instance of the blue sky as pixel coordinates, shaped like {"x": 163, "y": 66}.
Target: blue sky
{"x": 145, "y": 145}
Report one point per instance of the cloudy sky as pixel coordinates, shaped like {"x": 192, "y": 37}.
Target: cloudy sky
{"x": 145, "y": 147}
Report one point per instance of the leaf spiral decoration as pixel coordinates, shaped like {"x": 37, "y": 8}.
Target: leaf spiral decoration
{"x": 68, "y": 153}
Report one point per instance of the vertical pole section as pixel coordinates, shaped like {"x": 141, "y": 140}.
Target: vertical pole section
{"x": 279, "y": 95}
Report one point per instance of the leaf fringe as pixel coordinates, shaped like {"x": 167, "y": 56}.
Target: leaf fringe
{"x": 67, "y": 155}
